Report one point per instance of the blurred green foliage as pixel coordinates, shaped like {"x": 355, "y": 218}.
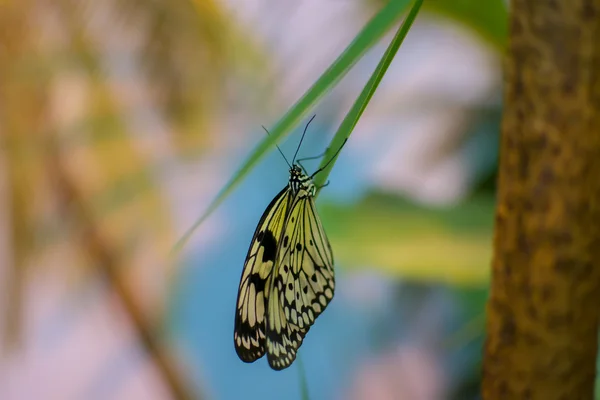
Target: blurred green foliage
{"x": 452, "y": 245}
{"x": 488, "y": 19}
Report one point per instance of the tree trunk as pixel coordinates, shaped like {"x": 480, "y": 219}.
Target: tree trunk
{"x": 544, "y": 306}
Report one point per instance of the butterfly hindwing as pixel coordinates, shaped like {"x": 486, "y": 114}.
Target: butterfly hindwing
{"x": 256, "y": 281}
{"x": 282, "y": 337}
{"x": 303, "y": 281}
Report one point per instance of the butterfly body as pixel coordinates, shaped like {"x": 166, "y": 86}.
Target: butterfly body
{"x": 301, "y": 184}
{"x": 288, "y": 277}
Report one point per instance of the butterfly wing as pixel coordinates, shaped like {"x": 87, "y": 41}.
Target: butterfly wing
{"x": 303, "y": 283}
{"x": 256, "y": 281}
{"x": 283, "y": 338}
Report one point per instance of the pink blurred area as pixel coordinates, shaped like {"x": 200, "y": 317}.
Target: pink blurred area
{"x": 88, "y": 351}
{"x": 408, "y": 373}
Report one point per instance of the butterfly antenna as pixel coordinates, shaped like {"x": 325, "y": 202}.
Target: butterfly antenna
{"x": 330, "y": 160}
{"x": 302, "y": 138}
{"x": 280, "y": 152}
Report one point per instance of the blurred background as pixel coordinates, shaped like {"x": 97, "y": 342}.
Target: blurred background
{"x": 121, "y": 120}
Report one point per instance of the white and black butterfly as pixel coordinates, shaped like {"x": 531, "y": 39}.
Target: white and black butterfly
{"x": 288, "y": 277}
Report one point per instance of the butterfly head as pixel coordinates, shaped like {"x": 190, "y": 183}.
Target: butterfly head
{"x": 300, "y": 181}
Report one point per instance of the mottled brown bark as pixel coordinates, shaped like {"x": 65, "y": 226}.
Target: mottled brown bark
{"x": 544, "y": 306}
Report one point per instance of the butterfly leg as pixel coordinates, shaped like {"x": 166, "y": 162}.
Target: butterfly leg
{"x": 322, "y": 186}
{"x": 313, "y": 157}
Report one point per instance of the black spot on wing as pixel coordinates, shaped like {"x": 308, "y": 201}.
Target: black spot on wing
{"x": 270, "y": 246}
{"x": 258, "y": 282}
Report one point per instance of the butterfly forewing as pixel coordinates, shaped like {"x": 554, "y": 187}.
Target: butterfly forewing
{"x": 255, "y": 283}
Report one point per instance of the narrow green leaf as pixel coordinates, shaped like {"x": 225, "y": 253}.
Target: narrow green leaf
{"x": 367, "y": 38}
{"x": 351, "y": 119}
{"x": 303, "y": 382}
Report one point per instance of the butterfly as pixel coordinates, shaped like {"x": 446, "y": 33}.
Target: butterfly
{"x": 288, "y": 278}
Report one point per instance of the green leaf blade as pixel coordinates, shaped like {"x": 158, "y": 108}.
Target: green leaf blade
{"x": 359, "y": 106}
{"x": 374, "y": 30}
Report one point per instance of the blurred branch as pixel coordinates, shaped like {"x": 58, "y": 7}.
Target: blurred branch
{"x": 29, "y": 143}
{"x": 75, "y": 199}
{"x": 21, "y": 115}
{"x": 20, "y": 239}
{"x": 543, "y": 310}
{"x": 109, "y": 265}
